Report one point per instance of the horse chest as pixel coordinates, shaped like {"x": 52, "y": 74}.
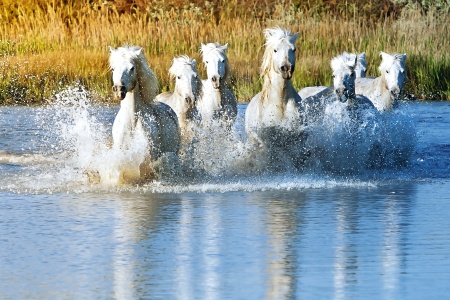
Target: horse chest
{"x": 280, "y": 114}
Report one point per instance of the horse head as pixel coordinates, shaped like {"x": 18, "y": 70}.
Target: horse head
{"x": 216, "y": 62}
{"x": 280, "y": 52}
{"x": 187, "y": 82}
{"x": 122, "y": 62}
{"x": 343, "y": 67}
{"x": 392, "y": 70}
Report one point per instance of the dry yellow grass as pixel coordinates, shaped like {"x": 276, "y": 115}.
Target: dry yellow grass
{"x": 63, "y": 42}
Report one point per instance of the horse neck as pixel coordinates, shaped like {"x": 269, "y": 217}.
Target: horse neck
{"x": 146, "y": 86}
{"x": 216, "y": 95}
{"x": 132, "y": 101}
{"x": 382, "y": 89}
{"x": 276, "y": 88}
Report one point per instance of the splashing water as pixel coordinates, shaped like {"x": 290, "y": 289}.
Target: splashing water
{"x": 74, "y": 153}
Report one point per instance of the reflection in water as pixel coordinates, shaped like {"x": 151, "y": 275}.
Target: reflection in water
{"x": 283, "y": 230}
{"x": 332, "y": 243}
{"x": 211, "y": 248}
{"x": 397, "y": 209}
{"x": 346, "y": 255}
{"x": 184, "y": 250}
{"x": 122, "y": 257}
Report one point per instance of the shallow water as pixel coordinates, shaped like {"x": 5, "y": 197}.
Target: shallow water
{"x": 374, "y": 234}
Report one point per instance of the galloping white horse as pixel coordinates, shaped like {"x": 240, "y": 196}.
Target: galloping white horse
{"x": 384, "y": 90}
{"x": 188, "y": 89}
{"x": 344, "y": 77}
{"x": 273, "y": 117}
{"x": 360, "y": 72}
{"x": 343, "y": 89}
{"x": 135, "y": 84}
{"x": 218, "y": 101}
{"x": 343, "y": 125}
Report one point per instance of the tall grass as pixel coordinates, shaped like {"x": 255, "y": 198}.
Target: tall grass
{"x": 46, "y": 45}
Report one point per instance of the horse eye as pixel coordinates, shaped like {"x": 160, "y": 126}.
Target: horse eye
{"x": 206, "y": 61}
{"x": 178, "y": 77}
{"x": 333, "y": 76}
{"x": 275, "y": 50}
{"x": 387, "y": 71}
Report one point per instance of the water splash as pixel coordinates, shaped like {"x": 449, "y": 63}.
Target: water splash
{"x": 76, "y": 154}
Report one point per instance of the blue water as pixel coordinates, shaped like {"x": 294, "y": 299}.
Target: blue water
{"x": 379, "y": 234}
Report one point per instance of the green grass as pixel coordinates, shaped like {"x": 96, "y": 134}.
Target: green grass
{"x": 47, "y": 45}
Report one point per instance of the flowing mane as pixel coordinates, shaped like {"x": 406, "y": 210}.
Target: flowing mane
{"x": 345, "y": 60}
{"x": 149, "y": 87}
{"x": 211, "y": 48}
{"x": 389, "y": 60}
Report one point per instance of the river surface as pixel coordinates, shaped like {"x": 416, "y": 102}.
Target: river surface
{"x": 373, "y": 234}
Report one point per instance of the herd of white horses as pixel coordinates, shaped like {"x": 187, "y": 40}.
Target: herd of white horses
{"x": 275, "y": 118}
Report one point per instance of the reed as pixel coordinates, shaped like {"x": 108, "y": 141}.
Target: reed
{"x": 47, "y": 45}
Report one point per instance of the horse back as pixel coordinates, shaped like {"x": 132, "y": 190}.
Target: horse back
{"x": 168, "y": 127}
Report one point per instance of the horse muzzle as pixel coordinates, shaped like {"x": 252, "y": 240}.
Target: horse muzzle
{"x": 395, "y": 94}
{"x": 342, "y": 94}
{"x": 119, "y": 91}
{"x": 287, "y": 71}
{"x": 190, "y": 101}
{"x": 216, "y": 81}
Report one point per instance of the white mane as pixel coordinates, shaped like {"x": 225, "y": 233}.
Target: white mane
{"x": 345, "y": 60}
{"x": 135, "y": 55}
{"x": 178, "y": 63}
{"x": 391, "y": 59}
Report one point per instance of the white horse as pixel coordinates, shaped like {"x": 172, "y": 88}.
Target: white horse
{"x": 188, "y": 89}
{"x": 384, "y": 90}
{"x": 135, "y": 84}
{"x": 360, "y": 72}
{"x": 273, "y": 117}
{"x": 341, "y": 124}
{"x": 218, "y": 101}
{"x": 343, "y": 89}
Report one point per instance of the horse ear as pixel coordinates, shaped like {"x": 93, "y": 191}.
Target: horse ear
{"x": 138, "y": 51}
{"x": 225, "y": 47}
{"x": 362, "y": 55}
{"x": 383, "y": 55}
{"x": 294, "y": 37}
{"x": 202, "y": 48}
{"x": 111, "y": 49}
{"x": 402, "y": 57}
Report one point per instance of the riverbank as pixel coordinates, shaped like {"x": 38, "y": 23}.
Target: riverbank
{"x": 46, "y": 46}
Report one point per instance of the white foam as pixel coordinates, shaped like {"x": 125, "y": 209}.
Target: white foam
{"x": 80, "y": 158}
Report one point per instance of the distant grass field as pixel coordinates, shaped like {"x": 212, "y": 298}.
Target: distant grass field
{"x": 47, "y": 45}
